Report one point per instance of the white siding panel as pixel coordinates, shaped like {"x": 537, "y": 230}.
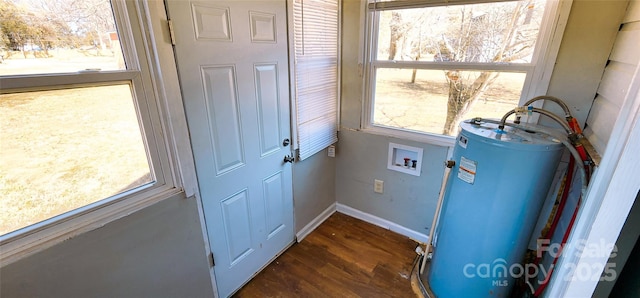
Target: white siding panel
{"x": 597, "y": 142}
{"x": 615, "y": 82}
{"x": 626, "y": 47}
{"x": 601, "y": 119}
{"x": 617, "y": 77}
{"x": 633, "y": 12}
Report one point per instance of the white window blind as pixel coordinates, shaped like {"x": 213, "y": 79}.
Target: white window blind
{"x": 316, "y": 49}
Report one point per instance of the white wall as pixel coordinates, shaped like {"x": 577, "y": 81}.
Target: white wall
{"x": 314, "y": 187}
{"x": 408, "y": 201}
{"x": 613, "y": 89}
{"x": 588, "y": 38}
{"x": 626, "y": 270}
{"x": 156, "y": 252}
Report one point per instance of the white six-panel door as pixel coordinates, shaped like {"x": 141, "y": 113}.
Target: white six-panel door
{"x": 232, "y": 64}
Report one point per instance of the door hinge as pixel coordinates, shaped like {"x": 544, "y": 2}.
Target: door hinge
{"x": 172, "y": 34}
{"x": 212, "y": 261}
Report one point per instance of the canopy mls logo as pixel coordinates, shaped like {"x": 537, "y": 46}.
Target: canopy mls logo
{"x": 500, "y": 272}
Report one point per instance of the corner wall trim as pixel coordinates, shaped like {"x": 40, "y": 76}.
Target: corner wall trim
{"x": 383, "y": 223}
{"x": 315, "y": 222}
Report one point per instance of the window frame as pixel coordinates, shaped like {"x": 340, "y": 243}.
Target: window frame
{"x": 325, "y": 127}
{"x": 538, "y": 71}
{"x": 161, "y": 136}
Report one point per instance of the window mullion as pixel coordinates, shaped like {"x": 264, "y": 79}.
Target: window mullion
{"x": 511, "y": 67}
{"x": 404, "y": 4}
{"x": 157, "y": 156}
{"x": 11, "y": 84}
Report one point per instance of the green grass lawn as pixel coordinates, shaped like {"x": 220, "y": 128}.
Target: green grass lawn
{"x": 64, "y": 149}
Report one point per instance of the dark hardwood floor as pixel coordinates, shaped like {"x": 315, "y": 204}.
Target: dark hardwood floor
{"x": 344, "y": 257}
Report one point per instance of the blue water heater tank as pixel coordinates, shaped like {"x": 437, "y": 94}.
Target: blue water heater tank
{"x": 491, "y": 205}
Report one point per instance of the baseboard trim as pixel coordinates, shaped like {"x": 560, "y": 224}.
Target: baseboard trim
{"x": 383, "y": 223}
{"x": 315, "y": 222}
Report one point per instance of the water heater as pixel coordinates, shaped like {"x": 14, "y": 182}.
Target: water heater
{"x": 491, "y": 204}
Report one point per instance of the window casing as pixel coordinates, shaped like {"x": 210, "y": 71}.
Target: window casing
{"x": 385, "y": 108}
{"x": 141, "y": 75}
{"x": 316, "y": 75}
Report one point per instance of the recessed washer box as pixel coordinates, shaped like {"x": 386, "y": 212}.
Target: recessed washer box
{"x": 405, "y": 159}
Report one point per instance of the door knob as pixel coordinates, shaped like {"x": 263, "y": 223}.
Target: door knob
{"x": 286, "y": 142}
{"x": 289, "y": 159}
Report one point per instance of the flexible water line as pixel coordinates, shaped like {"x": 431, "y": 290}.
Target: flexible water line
{"x": 550, "y": 133}
{"x": 447, "y": 170}
{"x": 561, "y": 103}
{"x": 539, "y": 111}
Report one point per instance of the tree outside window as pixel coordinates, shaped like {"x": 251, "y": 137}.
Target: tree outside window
{"x": 435, "y": 66}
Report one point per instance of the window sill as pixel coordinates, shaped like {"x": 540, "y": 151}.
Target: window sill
{"x": 14, "y": 247}
{"x": 422, "y": 137}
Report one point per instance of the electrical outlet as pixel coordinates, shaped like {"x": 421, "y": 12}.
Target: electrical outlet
{"x": 331, "y": 151}
{"x": 378, "y": 186}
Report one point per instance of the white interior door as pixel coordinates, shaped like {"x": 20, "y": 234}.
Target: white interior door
{"x": 233, "y": 68}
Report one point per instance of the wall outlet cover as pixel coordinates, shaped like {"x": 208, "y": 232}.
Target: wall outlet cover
{"x": 378, "y": 186}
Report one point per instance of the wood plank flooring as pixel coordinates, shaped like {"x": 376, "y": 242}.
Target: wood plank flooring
{"x": 343, "y": 257}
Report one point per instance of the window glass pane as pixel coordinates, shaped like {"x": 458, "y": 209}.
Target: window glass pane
{"x": 64, "y": 149}
{"x": 483, "y": 33}
{"x": 60, "y": 36}
{"x": 426, "y": 104}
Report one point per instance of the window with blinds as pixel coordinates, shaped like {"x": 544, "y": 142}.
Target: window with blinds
{"x": 316, "y": 74}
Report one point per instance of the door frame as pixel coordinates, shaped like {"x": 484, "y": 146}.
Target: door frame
{"x": 160, "y": 38}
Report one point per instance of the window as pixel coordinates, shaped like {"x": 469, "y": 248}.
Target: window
{"x": 432, "y": 64}
{"x": 316, "y": 57}
{"x": 81, "y": 120}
